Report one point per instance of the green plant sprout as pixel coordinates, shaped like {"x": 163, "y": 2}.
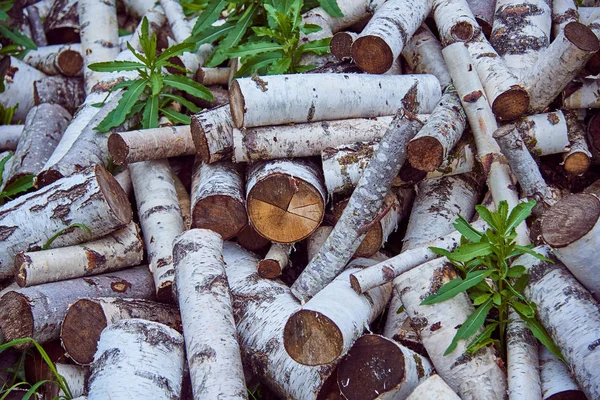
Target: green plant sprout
{"x": 21, "y": 185}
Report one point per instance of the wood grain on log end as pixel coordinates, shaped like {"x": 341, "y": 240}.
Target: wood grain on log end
{"x": 568, "y": 395}
{"x": 237, "y": 104}
{"x": 372, "y": 240}
{"x": 118, "y": 149}
{"x": 249, "y": 239}
{"x": 70, "y": 62}
{"x": 577, "y": 163}
{"x": 425, "y": 153}
{"x": 341, "y": 45}
{"x": 285, "y": 209}
{"x": 81, "y": 330}
{"x": 47, "y": 177}
{"x": 462, "y": 31}
{"x": 372, "y": 54}
{"x": 222, "y": 214}
{"x": 570, "y": 219}
{"x": 374, "y": 365}
{"x": 311, "y": 338}
{"x": 269, "y": 269}
{"x": 199, "y": 138}
{"x": 581, "y": 36}
{"x": 511, "y": 104}
{"x": 16, "y": 318}
{"x": 114, "y": 194}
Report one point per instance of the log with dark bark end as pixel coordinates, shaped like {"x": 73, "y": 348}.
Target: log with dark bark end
{"x": 9, "y": 136}
{"x": 483, "y": 10}
{"x": 423, "y": 54}
{"x": 455, "y": 20}
{"x": 275, "y": 261}
{"x": 150, "y": 144}
{"x": 251, "y": 240}
{"x": 86, "y": 319}
{"x": 38, "y": 311}
{"x": 93, "y": 198}
{"x": 557, "y": 380}
{"x": 563, "y": 12}
{"x": 137, "y": 359}
{"x": 377, "y": 366}
{"x": 218, "y": 201}
{"x": 213, "y": 76}
{"x": 66, "y": 92}
{"x": 285, "y": 199}
{"x": 212, "y": 134}
{"x": 341, "y": 44}
{"x": 62, "y": 24}
{"x": 18, "y": 81}
{"x": 571, "y": 228}
{"x": 578, "y": 159}
{"x": 220, "y": 98}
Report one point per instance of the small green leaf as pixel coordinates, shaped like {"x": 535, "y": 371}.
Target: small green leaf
{"x": 332, "y": 8}
{"x": 471, "y": 325}
{"x": 516, "y": 271}
{"x": 212, "y": 34}
{"x": 440, "y": 252}
{"x": 234, "y": 36}
{"x": 497, "y": 299}
{"x": 469, "y": 251}
{"x": 262, "y": 31}
{"x": 280, "y": 66}
{"x": 186, "y": 103}
{"x": 487, "y": 216}
{"x": 470, "y": 280}
{"x": 481, "y": 339}
{"x": 254, "y": 64}
{"x": 46, "y": 246}
{"x": 319, "y": 47}
{"x": 542, "y": 335}
{"x": 189, "y": 86}
{"x": 521, "y": 283}
{"x": 524, "y": 310}
{"x": 209, "y": 15}
{"x": 20, "y": 185}
{"x": 529, "y": 251}
{"x": 124, "y": 106}
{"x": 253, "y": 49}
{"x": 481, "y": 299}
{"x": 150, "y": 114}
{"x": 465, "y": 229}
{"x": 310, "y": 28}
{"x": 400, "y": 310}
{"x": 3, "y": 163}
{"x": 176, "y": 117}
{"x": 519, "y": 214}
{"x": 173, "y": 51}
{"x": 156, "y": 82}
{"x": 17, "y": 38}
{"x": 137, "y": 55}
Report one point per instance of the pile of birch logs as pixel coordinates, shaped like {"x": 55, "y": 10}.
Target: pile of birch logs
{"x": 282, "y": 238}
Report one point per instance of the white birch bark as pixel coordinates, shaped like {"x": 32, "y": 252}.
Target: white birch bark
{"x": 577, "y": 159}
{"x": 572, "y": 228}
{"x": 137, "y": 359}
{"x": 569, "y": 314}
{"x": 398, "y": 326}
{"x": 43, "y": 7}
{"x": 433, "y": 388}
{"x": 62, "y": 23}
{"x": 454, "y": 20}
{"x": 185, "y": 202}
{"x": 353, "y": 11}
{"x": 316, "y": 240}
{"x": 363, "y": 208}
{"x": 423, "y": 54}
{"x": 37, "y": 26}
{"x": 327, "y": 325}
{"x": 275, "y": 261}
{"x": 212, "y": 132}
{"x": 475, "y": 377}
{"x": 160, "y": 220}
{"x": 544, "y": 134}
{"x": 587, "y": 14}
{"x": 116, "y": 251}
{"x": 281, "y": 99}
{"x": 64, "y": 91}
{"x": 555, "y": 376}
{"x": 138, "y": 8}
{"x": 150, "y": 144}
{"x": 559, "y": 64}
{"x": 18, "y": 82}
{"x": 218, "y": 199}
{"x": 522, "y": 357}
{"x": 483, "y": 10}
{"x": 38, "y": 311}
{"x": 261, "y": 308}
{"x": 92, "y": 198}
{"x": 581, "y": 94}
{"x": 386, "y": 34}
{"x": 56, "y": 59}
{"x": 86, "y": 319}
{"x": 213, "y": 76}
{"x": 75, "y": 378}
{"x": 9, "y": 136}
{"x": 563, "y": 12}
{"x": 212, "y": 348}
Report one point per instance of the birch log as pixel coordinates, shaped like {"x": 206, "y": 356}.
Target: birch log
{"x": 557, "y": 381}
{"x": 64, "y": 59}
{"x": 160, "y": 220}
{"x": 455, "y": 21}
{"x": 377, "y": 367}
{"x": 560, "y": 297}
{"x": 212, "y": 348}
{"x": 275, "y": 261}
{"x": 66, "y": 92}
{"x": 116, "y": 251}
{"x": 386, "y": 34}
{"x": 316, "y": 240}
{"x": 18, "y": 82}
{"x": 212, "y": 134}
{"x": 483, "y": 10}
{"x": 544, "y": 134}
{"x": 327, "y": 325}
{"x": 559, "y": 64}
{"x": 581, "y": 94}
{"x": 571, "y": 229}
{"x": 285, "y": 199}
{"x": 363, "y": 208}
{"x": 75, "y": 377}
{"x": 261, "y": 308}
{"x": 185, "y": 202}
{"x": 250, "y": 240}
{"x": 341, "y": 44}
{"x": 521, "y": 353}
{"x": 563, "y": 12}
{"x": 87, "y": 318}
{"x": 137, "y": 359}
{"x": 317, "y": 97}
{"x": 43, "y": 129}
{"x": 62, "y": 22}
{"x": 213, "y": 76}
{"x": 37, "y": 27}
{"x": 92, "y": 198}
{"x": 150, "y": 144}
{"x": 398, "y": 326}
{"x": 478, "y": 376}
{"x": 578, "y": 159}
{"x": 218, "y": 201}
{"x": 423, "y": 54}
{"x": 38, "y": 311}
{"x": 433, "y": 388}
{"x": 9, "y": 136}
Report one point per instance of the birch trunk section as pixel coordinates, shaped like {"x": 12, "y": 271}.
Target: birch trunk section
{"x": 66, "y": 92}
{"x": 9, "y": 136}
{"x": 556, "y": 378}
{"x": 58, "y": 59}
{"x": 544, "y": 134}
{"x": 212, "y": 132}
{"x": 433, "y": 388}
{"x": 18, "y": 82}
{"x": 139, "y": 359}
{"x": 522, "y": 357}
{"x": 455, "y": 20}
{"x": 275, "y": 261}
{"x": 212, "y": 348}
{"x": 282, "y": 99}
{"x": 160, "y": 220}
{"x": 577, "y": 159}
{"x": 116, "y": 251}
{"x": 423, "y": 54}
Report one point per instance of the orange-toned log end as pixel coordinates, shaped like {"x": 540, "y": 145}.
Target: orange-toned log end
{"x": 570, "y": 219}
{"x": 118, "y": 149}
{"x": 114, "y": 195}
{"x": 81, "y": 330}
{"x": 70, "y": 62}
{"x": 582, "y": 36}
{"x": 269, "y": 269}
{"x": 374, "y": 365}
{"x": 21, "y": 275}
{"x": 425, "y": 153}
{"x": 237, "y": 104}
{"x": 222, "y": 214}
{"x": 311, "y": 338}
{"x": 341, "y": 45}
{"x": 511, "y": 104}
{"x": 355, "y": 285}
{"x": 47, "y": 177}
{"x": 199, "y": 139}
{"x": 462, "y": 31}
{"x": 16, "y": 318}
{"x": 372, "y": 54}
{"x": 577, "y": 163}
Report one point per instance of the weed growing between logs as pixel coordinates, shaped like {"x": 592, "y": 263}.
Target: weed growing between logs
{"x": 151, "y": 92}
{"x": 14, "y": 43}
{"x": 483, "y": 262}
{"x": 19, "y": 186}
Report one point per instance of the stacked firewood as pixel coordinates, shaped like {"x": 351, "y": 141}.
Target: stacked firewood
{"x": 257, "y": 244}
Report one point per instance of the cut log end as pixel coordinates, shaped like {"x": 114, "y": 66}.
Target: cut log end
{"x": 568, "y": 395}
{"x": 15, "y": 304}
{"x": 114, "y": 194}
{"x": 311, "y": 338}
{"x": 355, "y": 285}
{"x": 373, "y": 365}
{"x": 462, "y": 31}
{"x": 164, "y": 293}
{"x": 285, "y": 209}
{"x": 70, "y": 62}
{"x": 269, "y": 269}
{"x": 511, "y": 104}
{"x": 425, "y": 153}
{"x": 372, "y": 240}
{"x": 581, "y": 36}
{"x": 118, "y": 149}
{"x": 372, "y": 54}
{"x": 81, "y": 330}
{"x": 341, "y": 45}
{"x": 237, "y": 104}
{"x": 577, "y": 163}
{"x": 593, "y": 65}
{"x": 47, "y": 177}
{"x": 222, "y": 214}
{"x": 199, "y": 139}
{"x": 21, "y": 272}
{"x": 570, "y": 219}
